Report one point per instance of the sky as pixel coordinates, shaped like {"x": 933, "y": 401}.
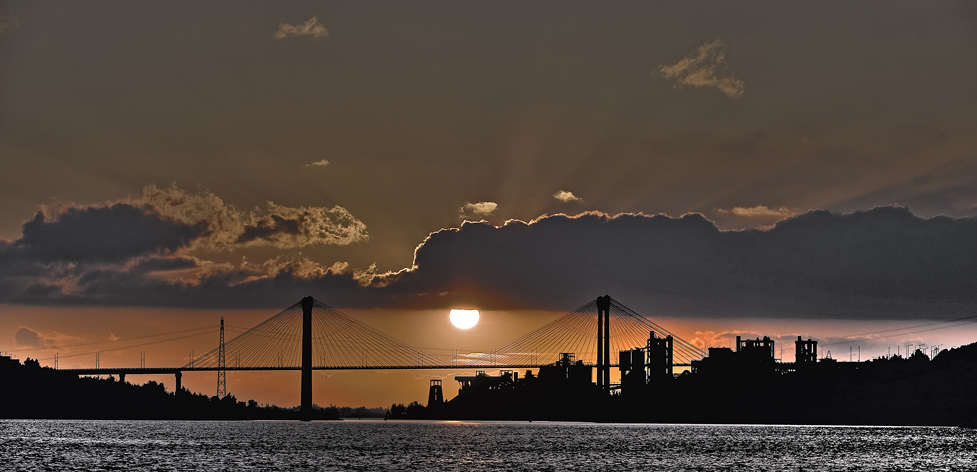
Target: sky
{"x": 782, "y": 168}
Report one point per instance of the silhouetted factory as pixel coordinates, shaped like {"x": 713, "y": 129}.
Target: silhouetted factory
{"x": 728, "y": 384}
{"x": 642, "y": 369}
{"x": 564, "y": 375}
{"x": 744, "y": 383}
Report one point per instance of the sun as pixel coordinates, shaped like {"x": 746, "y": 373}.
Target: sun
{"x": 463, "y": 319}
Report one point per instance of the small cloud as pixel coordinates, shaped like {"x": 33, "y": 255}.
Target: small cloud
{"x": 312, "y": 27}
{"x": 28, "y": 338}
{"x": 321, "y": 163}
{"x": 8, "y": 22}
{"x": 477, "y": 210}
{"x": 759, "y": 211}
{"x": 566, "y": 197}
{"x": 705, "y": 67}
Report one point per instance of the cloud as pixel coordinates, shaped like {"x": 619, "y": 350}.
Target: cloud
{"x": 478, "y": 210}
{"x": 311, "y": 27}
{"x": 566, "y": 197}
{"x": 8, "y": 22}
{"x": 881, "y": 263}
{"x": 271, "y": 283}
{"x": 286, "y": 227}
{"x": 139, "y": 249}
{"x": 28, "y": 338}
{"x": 759, "y": 211}
{"x": 162, "y": 264}
{"x": 706, "y": 67}
{"x": 107, "y": 234}
{"x": 319, "y": 163}
{"x": 165, "y": 220}
{"x": 884, "y": 263}
{"x": 279, "y": 226}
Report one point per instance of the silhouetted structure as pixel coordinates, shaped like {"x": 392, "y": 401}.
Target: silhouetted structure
{"x": 660, "y": 357}
{"x": 307, "y": 304}
{"x": 648, "y": 368}
{"x": 805, "y": 353}
{"x": 482, "y": 381}
{"x": 7, "y": 362}
{"x": 559, "y": 391}
{"x": 632, "y": 366}
{"x": 752, "y": 357}
{"x": 287, "y": 342}
{"x": 435, "y": 396}
{"x": 221, "y": 366}
{"x": 761, "y": 350}
{"x": 604, "y": 342}
{"x": 566, "y": 373}
{"x": 719, "y": 359}
{"x": 733, "y": 386}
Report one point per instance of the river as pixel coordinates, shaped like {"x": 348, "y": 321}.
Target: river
{"x": 90, "y": 445}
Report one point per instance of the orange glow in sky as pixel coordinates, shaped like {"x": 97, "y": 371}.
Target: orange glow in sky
{"x": 805, "y": 170}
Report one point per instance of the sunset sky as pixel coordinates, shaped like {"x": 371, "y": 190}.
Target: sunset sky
{"x": 770, "y": 168}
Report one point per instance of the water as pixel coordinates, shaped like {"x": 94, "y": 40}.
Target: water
{"x": 32, "y": 445}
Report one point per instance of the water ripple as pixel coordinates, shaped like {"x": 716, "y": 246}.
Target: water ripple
{"x": 30, "y": 445}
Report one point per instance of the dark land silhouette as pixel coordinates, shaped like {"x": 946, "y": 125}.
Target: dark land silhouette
{"x": 744, "y": 386}
{"x": 723, "y": 389}
{"x": 32, "y": 391}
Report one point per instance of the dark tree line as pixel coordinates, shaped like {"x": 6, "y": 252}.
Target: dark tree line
{"x": 31, "y": 391}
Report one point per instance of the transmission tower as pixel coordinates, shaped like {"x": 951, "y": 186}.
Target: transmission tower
{"x": 221, "y": 366}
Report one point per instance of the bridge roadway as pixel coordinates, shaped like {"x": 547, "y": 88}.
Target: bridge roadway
{"x": 178, "y": 371}
{"x": 173, "y": 370}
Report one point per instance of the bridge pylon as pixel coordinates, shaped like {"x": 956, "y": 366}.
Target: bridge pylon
{"x": 307, "y": 304}
{"x": 604, "y": 342}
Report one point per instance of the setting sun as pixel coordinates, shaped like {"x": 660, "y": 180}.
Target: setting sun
{"x": 463, "y": 319}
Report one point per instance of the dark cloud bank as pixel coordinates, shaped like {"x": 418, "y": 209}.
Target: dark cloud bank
{"x": 111, "y": 233}
{"x": 881, "y": 263}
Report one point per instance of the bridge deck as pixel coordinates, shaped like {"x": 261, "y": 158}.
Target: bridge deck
{"x": 173, "y": 370}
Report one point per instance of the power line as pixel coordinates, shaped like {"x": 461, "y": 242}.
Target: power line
{"x": 918, "y": 326}
{"x": 128, "y": 347}
{"x": 113, "y": 341}
{"x": 959, "y": 321}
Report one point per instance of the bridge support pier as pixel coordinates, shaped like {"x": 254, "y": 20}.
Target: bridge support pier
{"x": 307, "y": 304}
{"x": 179, "y": 382}
{"x": 122, "y": 378}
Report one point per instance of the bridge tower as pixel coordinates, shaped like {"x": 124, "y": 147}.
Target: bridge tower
{"x": 604, "y": 342}
{"x": 221, "y": 366}
{"x": 307, "y": 304}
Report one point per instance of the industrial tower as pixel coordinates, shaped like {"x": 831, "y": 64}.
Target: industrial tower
{"x": 221, "y": 366}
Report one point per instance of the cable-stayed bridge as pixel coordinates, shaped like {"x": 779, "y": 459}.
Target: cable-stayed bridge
{"x": 340, "y": 342}
{"x": 311, "y": 335}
